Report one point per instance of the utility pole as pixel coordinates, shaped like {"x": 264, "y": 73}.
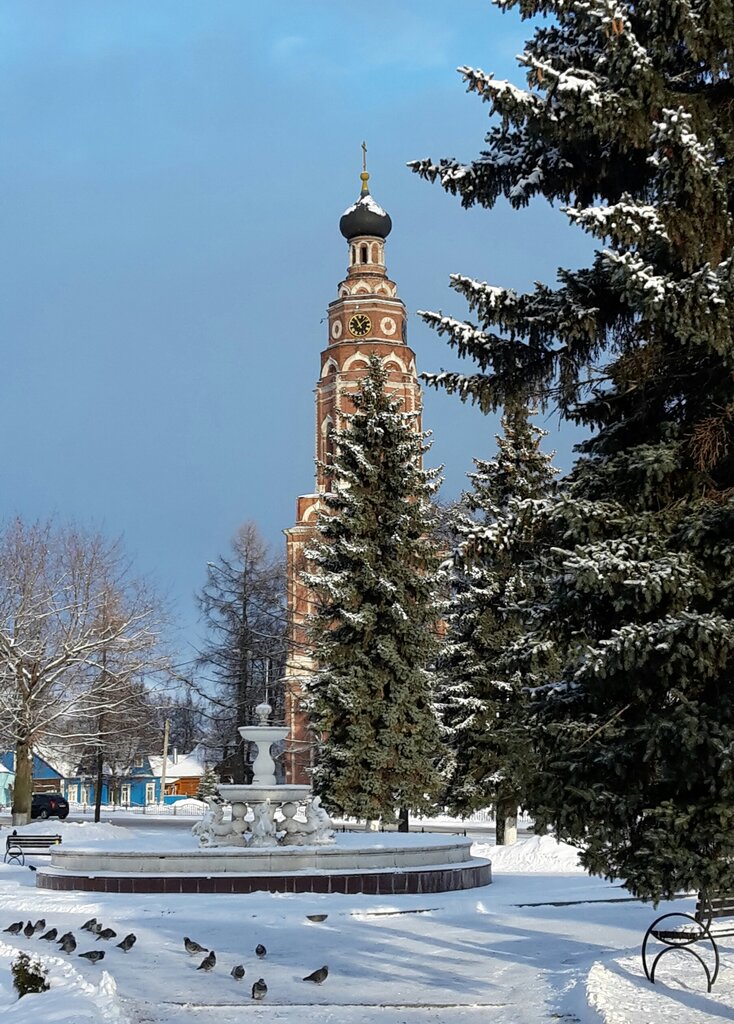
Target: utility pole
{"x": 166, "y": 728}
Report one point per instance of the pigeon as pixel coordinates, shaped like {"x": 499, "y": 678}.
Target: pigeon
{"x": 208, "y": 962}
{"x": 259, "y": 989}
{"x": 106, "y": 933}
{"x": 96, "y": 928}
{"x": 238, "y": 972}
{"x": 260, "y": 950}
{"x": 88, "y": 926}
{"x": 94, "y": 956}
{"x": 128, "y": 942}
{"x": 28, "y": 930}
{"x": 193, "y": 947}
{"x": 319, "y": 976}
{"x": 50, "y": 934}
{"x": 64, "y": 937}
{"x": 68, "y": 944}
{"x": 14, "y": 929}
{"x": 39, "y": 925}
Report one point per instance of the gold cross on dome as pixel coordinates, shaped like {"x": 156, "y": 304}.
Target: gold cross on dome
{"x": 364, "y": 175}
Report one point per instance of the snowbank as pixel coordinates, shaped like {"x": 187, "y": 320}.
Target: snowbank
{"x": 535, "y": 855}
{"x": 74, "y": 831}
{"x": 70, "y": 999}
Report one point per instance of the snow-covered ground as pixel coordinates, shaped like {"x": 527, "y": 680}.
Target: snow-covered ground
{"x": 544, "y": 942}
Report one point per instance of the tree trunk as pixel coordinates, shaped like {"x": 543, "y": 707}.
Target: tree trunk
{"x": 23, "y": 787}
{"x": 99, "y": 775}
{"x": 403, "y": 822}
{"x": 506, "y": 822}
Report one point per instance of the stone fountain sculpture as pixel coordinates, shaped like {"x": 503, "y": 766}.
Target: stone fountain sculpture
{"x": 279, "y": 814}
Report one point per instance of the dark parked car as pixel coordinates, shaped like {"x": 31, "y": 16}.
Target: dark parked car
{"x": 49, "y": 805}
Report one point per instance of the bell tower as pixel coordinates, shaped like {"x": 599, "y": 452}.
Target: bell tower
{"x": 367, "y": 317}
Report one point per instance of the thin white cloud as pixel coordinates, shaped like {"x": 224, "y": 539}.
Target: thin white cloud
{"x": 287, "y": 47}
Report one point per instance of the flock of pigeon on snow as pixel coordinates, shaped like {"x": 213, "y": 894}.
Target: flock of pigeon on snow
{"x": 259, "y": 989}
{"x": 67, "y": 944}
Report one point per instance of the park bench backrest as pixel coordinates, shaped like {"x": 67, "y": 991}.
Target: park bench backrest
{"x": 718, "y": 904}
{"x": 31, "y": 840}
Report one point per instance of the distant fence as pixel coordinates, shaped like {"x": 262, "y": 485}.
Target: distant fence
{"x": 181, "y": 810}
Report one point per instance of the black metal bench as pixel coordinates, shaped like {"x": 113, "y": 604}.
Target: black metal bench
{"x": 691, "y": 929}
{"x": 17, "y": 843}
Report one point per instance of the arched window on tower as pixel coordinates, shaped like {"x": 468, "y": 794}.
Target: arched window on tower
{"x": 363, "y": 253}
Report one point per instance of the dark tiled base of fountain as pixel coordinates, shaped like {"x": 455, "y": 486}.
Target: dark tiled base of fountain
{"x": 387, "y": 883}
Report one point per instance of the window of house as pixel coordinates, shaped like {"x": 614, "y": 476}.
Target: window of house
{"x": 150, "y": 792}
{"x": 125, "y": 793}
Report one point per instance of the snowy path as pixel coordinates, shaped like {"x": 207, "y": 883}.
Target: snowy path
{"x": 457, "y": 958}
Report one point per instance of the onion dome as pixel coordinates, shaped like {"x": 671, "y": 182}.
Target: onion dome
{"x": 365, "y": 217}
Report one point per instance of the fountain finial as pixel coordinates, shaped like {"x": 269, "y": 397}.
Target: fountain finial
{"x": 263, "y": 712}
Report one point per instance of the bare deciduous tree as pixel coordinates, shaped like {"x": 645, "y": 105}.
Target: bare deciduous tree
{"x": 58, "y": 588}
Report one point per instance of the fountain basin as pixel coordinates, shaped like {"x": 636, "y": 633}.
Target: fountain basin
{"x": 392, "y": 863}
{"x": 244, "y": 794}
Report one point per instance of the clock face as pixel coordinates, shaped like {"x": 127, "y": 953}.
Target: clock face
{"x": 336, "y": 329}
{"x": 387, "y": 325}
{"x": 360, "y": 325}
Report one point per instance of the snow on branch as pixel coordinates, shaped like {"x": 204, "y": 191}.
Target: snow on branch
{"x": 627, "y": 222}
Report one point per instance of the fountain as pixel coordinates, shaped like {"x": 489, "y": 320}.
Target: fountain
{"x": 279, "y": 839}
{"x": 272, "y": 806}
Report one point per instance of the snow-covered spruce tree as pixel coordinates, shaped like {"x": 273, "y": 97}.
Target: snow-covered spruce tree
{"x": 208, "y": 784}
{"x": 373, "y": 630}
{"x": 494, "y": 577}
{"x": 627, "y": 119}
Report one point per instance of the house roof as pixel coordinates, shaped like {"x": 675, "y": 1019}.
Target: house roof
{"x": 58, "y": 756}
{"x": 186, "y": 766}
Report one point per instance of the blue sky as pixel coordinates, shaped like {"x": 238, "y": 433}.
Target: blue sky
{"x": 173, "y": 176}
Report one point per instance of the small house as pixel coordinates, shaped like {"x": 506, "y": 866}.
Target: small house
{"x": 46, "y": 777}
{"x": 7, "y": 779}
{"x": 139, "y": 784}
{"x": 183, "y": 773}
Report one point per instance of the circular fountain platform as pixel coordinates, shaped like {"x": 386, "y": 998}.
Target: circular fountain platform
{"x": 373, "y": 863}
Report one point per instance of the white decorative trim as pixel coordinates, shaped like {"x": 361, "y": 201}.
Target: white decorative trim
{"x": 330, "y": 366}
{"x": 356, "y": 357}
{"x": 398, "y": 360}
{"x": 336, "y": 329}
{"x": 388, "y": 325}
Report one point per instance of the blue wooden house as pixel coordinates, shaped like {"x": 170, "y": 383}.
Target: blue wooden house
{"x": 140, "y": 783}
{"x": 46, "y": 778}
{"x": 135, "y": 786}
